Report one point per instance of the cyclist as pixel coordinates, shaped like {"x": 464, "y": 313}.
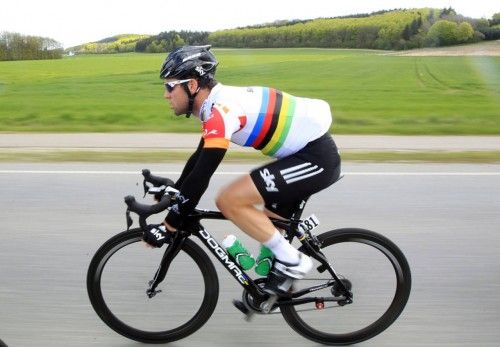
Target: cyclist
{"x": 291, "y": 129}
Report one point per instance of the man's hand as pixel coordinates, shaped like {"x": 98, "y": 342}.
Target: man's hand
{"x": 174, "y": 219}
{"x": 156, "y": 235}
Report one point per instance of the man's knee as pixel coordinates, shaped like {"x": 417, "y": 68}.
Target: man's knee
{"x": 238, "y": 195}
{"x": 230, "y": 201}
{"x": 226, "y": 200}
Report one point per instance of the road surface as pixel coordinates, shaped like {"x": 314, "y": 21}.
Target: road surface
{"x": 444, "y": 217}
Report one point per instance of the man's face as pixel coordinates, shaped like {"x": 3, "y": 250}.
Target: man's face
{"x": 176, "y": 95}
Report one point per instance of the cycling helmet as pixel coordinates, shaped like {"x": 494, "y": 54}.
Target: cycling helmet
{"x": 189, "y": 61}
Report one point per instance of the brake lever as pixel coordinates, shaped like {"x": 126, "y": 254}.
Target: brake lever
{"x": 146, "y": 188}
{"x": 129, "y": 219}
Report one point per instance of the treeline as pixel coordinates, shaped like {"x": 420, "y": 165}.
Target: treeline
{"x": 392, "y": 29}
{"x": 114, "y": 44}
{"x": 168, "y": 40}
{"x": 14, "y": 46}
{"x": 396, "y": 29}
{"x": 163, "y": 42}
{"x": 279, "y": 23}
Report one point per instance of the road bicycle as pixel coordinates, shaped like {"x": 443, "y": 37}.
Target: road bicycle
{"x": 359, "y": 286}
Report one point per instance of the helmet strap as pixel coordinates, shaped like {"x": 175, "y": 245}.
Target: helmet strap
{"x": 191, "y": 97}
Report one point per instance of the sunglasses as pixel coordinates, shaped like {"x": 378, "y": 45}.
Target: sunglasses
{"x": 171, "y": 85}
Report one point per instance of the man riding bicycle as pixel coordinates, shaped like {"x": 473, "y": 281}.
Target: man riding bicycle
{"x": 293, "y": 130}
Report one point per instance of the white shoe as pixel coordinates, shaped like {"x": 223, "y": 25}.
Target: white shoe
{"x": 297, "y": 271}
{"x": 282, "y": 275}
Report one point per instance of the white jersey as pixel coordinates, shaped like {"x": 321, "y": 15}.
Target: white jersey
{"x": 272, "y": 121}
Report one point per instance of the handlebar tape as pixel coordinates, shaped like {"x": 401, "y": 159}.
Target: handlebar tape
{"x": 156, "y": 180}
{"x": 144, "y": 210}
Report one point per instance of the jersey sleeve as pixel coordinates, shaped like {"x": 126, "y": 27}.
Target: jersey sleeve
{"x": 219, "y": 126}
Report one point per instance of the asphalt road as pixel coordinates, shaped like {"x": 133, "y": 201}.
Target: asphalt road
{"x": 444, "y": 217}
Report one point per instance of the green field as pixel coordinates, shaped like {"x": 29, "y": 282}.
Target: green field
{"x": 370, "y": 92}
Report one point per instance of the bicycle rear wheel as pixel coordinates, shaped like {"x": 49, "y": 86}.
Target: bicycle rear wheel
{"x": 381, "y": 284}
{"x": 118, "y": 277}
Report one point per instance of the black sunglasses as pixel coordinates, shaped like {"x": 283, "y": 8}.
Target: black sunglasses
{"x": 171, "y": 85}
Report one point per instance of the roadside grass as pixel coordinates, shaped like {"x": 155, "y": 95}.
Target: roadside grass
{"x": 162, "y": 156}
{"x": 370, "y": 93}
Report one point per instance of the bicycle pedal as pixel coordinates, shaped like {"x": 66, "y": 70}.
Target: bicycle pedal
{"x": 267, "y": 305}
{"x": 321, "y": 268}
{"x": 243, "y": 309}
{"x": 241, "y": 306}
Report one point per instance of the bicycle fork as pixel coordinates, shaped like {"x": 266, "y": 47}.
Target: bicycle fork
{"x": 172, "y": 250}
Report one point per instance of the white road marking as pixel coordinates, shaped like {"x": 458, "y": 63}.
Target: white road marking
{"x": 229, "y": 173}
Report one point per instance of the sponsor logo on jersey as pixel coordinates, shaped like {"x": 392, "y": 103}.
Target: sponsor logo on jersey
{"x": 211, "y": 132}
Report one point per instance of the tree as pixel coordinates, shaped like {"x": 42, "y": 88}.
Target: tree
{"x": 495, "y": 20}
{"x": 14, "y": 46}
{"x": 464, "y": 32}
{"x": 447, "y": 12}
{"x": 442, "y": 33}
{"x": 445, "y": 33}
{"x": 406, "y": 33}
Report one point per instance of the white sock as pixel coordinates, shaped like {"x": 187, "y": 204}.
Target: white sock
{"x": 282, "y": 250}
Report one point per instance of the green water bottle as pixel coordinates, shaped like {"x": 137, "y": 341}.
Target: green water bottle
{"x": 238, "y": 252}
{"x": 264, "y": 261}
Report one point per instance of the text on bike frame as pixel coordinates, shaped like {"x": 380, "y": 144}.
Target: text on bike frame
{"x": 223, "y": 256}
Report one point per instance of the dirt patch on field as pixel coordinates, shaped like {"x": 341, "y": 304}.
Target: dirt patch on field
{"x": 491, "y": 48}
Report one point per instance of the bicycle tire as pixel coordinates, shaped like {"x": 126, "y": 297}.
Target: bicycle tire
{"x": 401, "y": 295}
{"x": 207, "y": 307}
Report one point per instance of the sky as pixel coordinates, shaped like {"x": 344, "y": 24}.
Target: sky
{"x": 73, "y": 22}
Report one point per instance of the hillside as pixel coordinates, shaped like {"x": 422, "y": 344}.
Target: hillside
{"x": 399, "y": 29}
{"x": 395, "y": 29}
{"x": 114, "y": 44}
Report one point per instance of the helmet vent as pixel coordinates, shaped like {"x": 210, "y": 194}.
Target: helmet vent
{"x": 191, "y": 57}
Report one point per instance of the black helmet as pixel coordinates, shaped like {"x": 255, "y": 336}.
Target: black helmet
{"x": 190, "y": 61}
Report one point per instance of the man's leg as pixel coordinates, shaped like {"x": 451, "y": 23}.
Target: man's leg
{"x": 237, "y": 202}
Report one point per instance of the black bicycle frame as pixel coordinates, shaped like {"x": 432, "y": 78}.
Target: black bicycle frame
{"x": 310, "y": 244}
{"x": 231, "y": 266}
{"x": 290, "y": 226}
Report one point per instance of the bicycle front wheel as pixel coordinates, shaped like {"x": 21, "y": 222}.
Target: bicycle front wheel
{"x": 380, "y": 278}
{"x": 118, "y": 278}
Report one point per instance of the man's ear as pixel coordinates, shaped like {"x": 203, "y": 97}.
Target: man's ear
{"x": 193, "y": 85}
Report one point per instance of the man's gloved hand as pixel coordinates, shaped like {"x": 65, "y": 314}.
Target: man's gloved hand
{"x": 156, "y": 235}
{"x": 174, "y": 218}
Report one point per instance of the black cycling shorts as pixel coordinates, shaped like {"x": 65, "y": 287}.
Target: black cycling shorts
{"x": 284, "y": 183}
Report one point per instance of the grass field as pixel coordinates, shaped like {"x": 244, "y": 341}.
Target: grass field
{"x": 370, "y": 93}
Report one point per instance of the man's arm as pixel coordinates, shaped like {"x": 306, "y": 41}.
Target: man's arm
{"x": 189, "y": 165}
{"x": 196, "y": 182}
{"x": 200, "y": 168}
